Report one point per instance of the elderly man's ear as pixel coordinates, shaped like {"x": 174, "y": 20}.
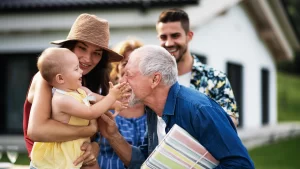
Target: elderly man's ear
{"x": 156, "y": 80}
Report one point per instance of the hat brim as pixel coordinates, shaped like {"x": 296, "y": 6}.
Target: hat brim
{"x": 112, "y": 56}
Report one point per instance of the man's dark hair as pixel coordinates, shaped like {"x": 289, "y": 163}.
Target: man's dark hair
{"x": 175, "y": 15}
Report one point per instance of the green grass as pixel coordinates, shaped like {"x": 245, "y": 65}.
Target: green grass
{"x": 288, "y": 97}
{"x": 21, "y": 160}
{"x": 280, "y": 155}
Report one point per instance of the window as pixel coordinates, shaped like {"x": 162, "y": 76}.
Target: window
{"x": 265, "y": 96}
{"x": 18, "y": 70}
{"x": 235, "y": 74}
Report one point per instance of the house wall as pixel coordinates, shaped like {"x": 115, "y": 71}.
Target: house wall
{"x": 230, "y": 37}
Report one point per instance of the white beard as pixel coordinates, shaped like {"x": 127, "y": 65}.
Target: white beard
{"x": 133, "y": 100}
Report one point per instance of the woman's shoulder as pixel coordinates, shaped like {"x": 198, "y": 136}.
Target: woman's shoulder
{"x": 37, "y": 83}
{"x": 32, "y": 85}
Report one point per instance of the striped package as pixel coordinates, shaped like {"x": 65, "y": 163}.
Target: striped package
{"x": 179, "y": 150}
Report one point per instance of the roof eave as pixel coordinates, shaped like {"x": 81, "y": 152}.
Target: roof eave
{"x": 269, "y": 29}
{"x": 100, "y": 5}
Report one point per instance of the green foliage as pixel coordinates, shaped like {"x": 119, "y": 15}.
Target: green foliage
{"x": 288, "y": 97}
{"x": 280, "y": 155}
{"x": 293, "y": 12}
{"x": 291, "y": 67}
{"x": 285, "y": 66}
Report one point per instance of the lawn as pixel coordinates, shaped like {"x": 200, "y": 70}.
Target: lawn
{"x": 280, "y": 155}
{"x": 288, "y": 94}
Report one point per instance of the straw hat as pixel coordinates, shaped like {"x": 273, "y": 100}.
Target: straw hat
{"x": 90, "y": 28}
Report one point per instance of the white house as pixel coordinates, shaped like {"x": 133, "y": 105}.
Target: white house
{"x": 242, "y": 38}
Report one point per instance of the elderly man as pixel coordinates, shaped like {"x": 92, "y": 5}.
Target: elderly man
{"x": 152, "y": 74}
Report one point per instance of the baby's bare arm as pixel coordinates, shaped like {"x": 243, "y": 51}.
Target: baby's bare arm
{"x": 70, "y": 106}
{"x": 122, "y": 91}
{"x": 97, "y": 96}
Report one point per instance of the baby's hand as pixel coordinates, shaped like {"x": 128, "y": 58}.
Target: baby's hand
{"x": 119, "y": 106}
{"x": 126, "y": 92}
{"x": 119, "y": 91}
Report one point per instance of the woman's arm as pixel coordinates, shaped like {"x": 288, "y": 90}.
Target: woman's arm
{"x": 44, "y": 129}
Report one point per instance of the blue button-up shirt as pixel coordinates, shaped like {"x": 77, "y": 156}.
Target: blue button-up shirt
{"x": 205, "y": 120}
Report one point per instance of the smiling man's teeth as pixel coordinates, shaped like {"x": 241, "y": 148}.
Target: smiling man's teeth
{"x": 172, "y": 50}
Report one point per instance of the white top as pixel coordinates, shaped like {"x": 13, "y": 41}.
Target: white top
{"x": 161, "y": 126}
{"x": 185, "y": 79}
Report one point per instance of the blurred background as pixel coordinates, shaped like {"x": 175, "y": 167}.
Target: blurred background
{"x": 256, "y": 42}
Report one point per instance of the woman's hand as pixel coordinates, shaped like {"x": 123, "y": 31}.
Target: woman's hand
{"x": 89, "y": 157}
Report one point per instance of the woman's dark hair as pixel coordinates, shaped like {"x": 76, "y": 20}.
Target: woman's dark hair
{"x": 98, "y": 77}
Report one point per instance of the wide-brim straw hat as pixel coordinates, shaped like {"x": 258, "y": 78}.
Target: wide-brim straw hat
{"x": 90, "y": 28}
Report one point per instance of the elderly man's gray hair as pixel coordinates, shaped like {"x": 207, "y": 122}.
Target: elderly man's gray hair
{"x": 158, "y": 59}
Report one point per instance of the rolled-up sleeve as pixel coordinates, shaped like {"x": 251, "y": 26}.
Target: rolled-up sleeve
{"x": 139, "y": 154}
{"x": 137, "y": 158}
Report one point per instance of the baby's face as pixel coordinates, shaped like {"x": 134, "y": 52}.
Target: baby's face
{"x": 72, "y": 73}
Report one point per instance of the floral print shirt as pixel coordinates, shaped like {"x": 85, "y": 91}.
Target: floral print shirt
{"x": 214, "y": 84}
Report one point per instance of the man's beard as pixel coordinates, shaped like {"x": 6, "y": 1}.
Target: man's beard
{"x": 180, "y": 54}
{"x": 133, "y": 100}
{"x": 179, "y": 58}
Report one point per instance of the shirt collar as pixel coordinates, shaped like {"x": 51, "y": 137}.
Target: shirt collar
{"x": 171, "y": 100}
{"x": 196, "y": 62}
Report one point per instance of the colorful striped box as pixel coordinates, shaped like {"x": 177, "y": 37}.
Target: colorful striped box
{"x": 179, "y": 150}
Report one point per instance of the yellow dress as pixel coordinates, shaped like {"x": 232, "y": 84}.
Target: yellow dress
{"x": 61, "y": 155}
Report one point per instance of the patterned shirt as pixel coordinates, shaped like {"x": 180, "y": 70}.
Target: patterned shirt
{"x": 133, "y": 130}
{"x": 214, "y": 84}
